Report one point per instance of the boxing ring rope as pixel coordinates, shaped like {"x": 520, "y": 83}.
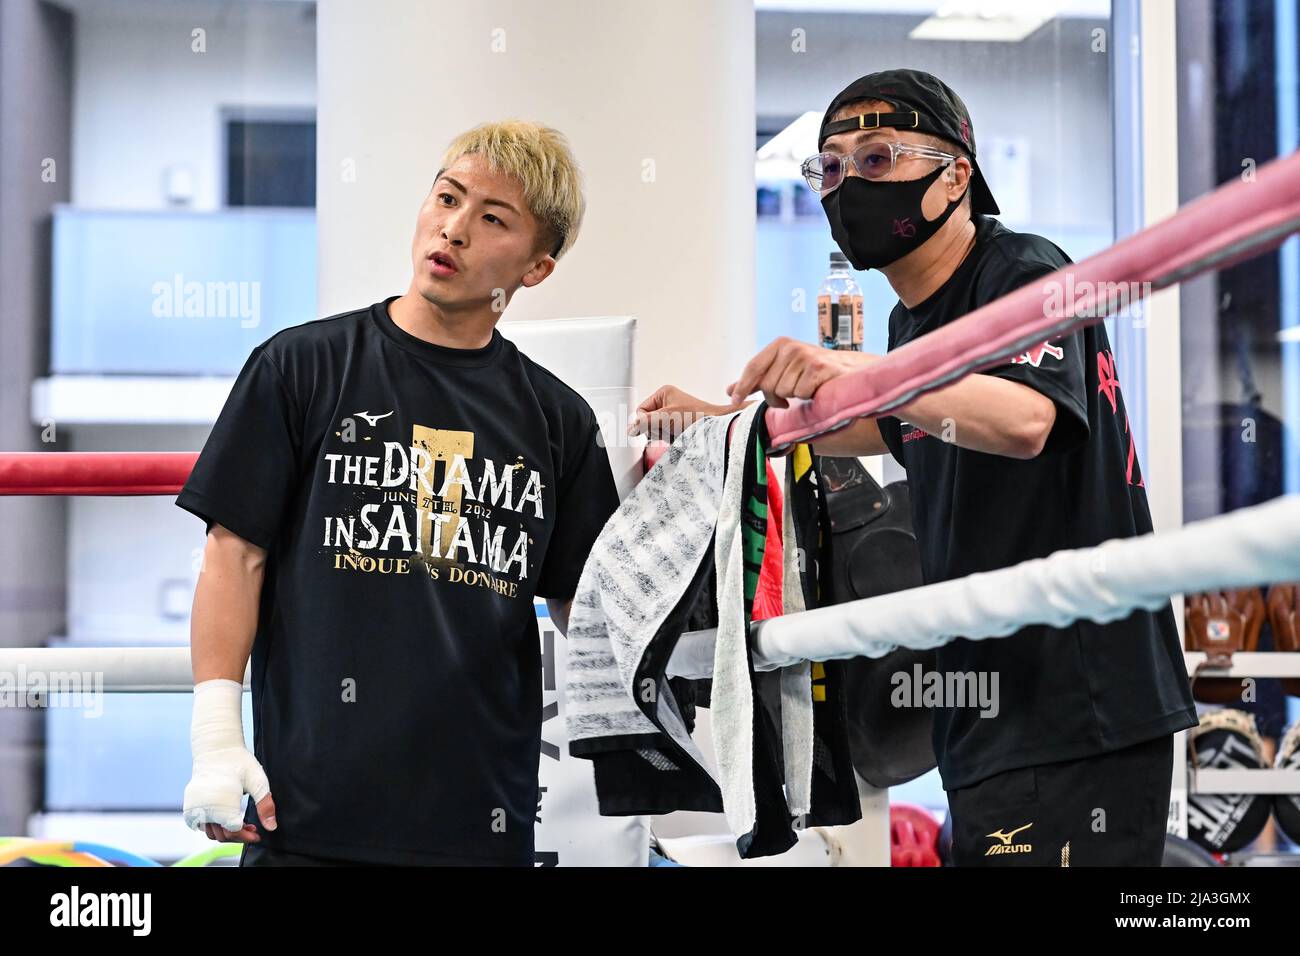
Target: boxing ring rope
{"x": 1232, "y": 223}
{"x": 95, "y": 472}
{"x": 115, "y": 670}
{"x": 1250, "y": 546}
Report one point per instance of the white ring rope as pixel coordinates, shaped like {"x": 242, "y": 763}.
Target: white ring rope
{"x": 1250, "y": 546}
{"x": 120, "y": 670}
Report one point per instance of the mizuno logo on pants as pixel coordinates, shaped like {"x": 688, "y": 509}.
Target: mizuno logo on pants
{"x": 1006, "y": 846}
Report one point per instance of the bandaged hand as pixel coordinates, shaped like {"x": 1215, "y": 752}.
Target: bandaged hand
{"x": 224, "y": 770}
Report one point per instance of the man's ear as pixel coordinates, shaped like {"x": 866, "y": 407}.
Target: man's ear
{"x": 958, "y": 177}
{"x": 540, "y": 270}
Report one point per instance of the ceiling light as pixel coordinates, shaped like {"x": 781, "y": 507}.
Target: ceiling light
{"x": 989, "y": 21}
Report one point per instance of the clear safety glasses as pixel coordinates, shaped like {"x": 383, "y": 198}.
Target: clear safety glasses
{"x": 875, "y": 160}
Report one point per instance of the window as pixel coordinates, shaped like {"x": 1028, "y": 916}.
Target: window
{"x": 270, "y": 162}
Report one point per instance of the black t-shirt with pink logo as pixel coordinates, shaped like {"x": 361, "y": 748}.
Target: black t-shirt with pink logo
{"x": 413, "y": 499}
{"x": 1062, "y": 693}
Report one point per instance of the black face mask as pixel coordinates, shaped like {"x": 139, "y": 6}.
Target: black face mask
{"x": 876, "y": 223}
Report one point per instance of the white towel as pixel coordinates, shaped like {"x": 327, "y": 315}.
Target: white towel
{"x": 640, "y": 565}
{"x": 640, "y": 568}
{"x": 731, "y": 701}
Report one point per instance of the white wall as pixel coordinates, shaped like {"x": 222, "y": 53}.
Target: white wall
{"x": 132, "y": 561}
{"x": 627, "y": 82}
{"x": 144, "y": 100}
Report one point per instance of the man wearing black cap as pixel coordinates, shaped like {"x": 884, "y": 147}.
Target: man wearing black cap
{"x": 1007, "y": 465}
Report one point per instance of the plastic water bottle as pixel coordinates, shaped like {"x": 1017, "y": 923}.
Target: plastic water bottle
{"x": 839, "y": 307}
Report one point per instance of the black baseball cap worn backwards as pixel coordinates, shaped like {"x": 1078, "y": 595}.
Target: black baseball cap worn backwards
{"x": 922, "y": 102}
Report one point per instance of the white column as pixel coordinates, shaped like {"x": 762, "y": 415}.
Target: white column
{"x": 1164, "y": 465}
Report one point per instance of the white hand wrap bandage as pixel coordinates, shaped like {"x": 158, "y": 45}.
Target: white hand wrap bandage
{"x": 224, "y": 770}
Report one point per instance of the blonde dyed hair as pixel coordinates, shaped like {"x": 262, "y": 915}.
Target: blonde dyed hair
{"x": 540, "y": 158}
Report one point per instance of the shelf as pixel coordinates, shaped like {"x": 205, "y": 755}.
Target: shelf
{"x": 1245, "y": 781}
{"x": 1250, "y": 664}
{"x": 129, "y": 399}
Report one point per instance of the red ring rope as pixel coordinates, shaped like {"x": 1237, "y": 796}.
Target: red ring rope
{"x": 95, "y": 472}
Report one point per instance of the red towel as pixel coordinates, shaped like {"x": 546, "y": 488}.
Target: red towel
{"x": 767, "y": 597}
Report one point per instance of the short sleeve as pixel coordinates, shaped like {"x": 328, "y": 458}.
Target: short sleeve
{"x": 247, "y": 471}
{"x": 1054, "y": 368}
{"x": 891, "y": 427}
{"x": 587, "y": 497}
{"x": 891, "y": 430}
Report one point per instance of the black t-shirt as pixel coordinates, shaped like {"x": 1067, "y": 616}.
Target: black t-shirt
{"x": 1064, "y": 693}
{"x": 413, "y": 499}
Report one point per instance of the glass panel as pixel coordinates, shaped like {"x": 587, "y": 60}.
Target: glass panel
{"x": 1045, "y": 147}
{"x": 177, "y": 293}
{"x": 1239, "y": 108}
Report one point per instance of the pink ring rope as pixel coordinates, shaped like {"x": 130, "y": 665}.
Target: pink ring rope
{"x": 1235, "y": 222}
